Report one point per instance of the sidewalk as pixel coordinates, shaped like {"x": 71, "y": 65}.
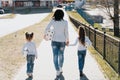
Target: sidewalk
{"x": 44, "y": 67}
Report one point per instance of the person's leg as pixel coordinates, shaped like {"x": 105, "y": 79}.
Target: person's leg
{"x": 61, "y": 55}
{"x": 28, "y": 65}
{"x": 55, "y": 55}
{"x": 32, "y": 63}
{"x": 81, "y": 60}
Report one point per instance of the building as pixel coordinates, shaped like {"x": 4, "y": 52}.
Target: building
{"x": 0, "y": 3}
{"x": 34, "y": 3}
{"x": 6, "y": 3}
{"x": 68, "y": 1}
{"x": 101, "y": 2}
{"x": 27, "y": 3}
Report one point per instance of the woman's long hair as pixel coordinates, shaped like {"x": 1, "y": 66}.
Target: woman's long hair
{"x": 58, "y": 15}
{"x": 82, "y": 35}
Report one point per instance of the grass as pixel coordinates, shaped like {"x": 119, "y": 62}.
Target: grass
{"x": 76, "y": 16}
{"x": 112, "y": 34}
{"x": 11, "y": 58}
{"x": 109, "y": 73}
{"x": 9, "y": 16}
{"x": 107, "y": 70}
{"x": 98, "y": 26}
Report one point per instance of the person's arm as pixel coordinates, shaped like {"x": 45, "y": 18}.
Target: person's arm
{"x": 75, "y": 43}
{"x": 49, "y": 25}
{"x": 25, "y": 50}
{"x": 66, "y": 34}
{"x": 87, "y": 41}
{"x": 36, "y": 54}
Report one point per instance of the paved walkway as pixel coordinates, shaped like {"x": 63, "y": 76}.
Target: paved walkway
{"x": 44, "y": 67}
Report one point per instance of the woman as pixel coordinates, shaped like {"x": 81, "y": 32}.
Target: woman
{"x": 59, "y": 39}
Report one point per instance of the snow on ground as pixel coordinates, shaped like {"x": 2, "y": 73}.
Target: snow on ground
{"x": 107, "y": 23}
{"x": 19, "y": 22}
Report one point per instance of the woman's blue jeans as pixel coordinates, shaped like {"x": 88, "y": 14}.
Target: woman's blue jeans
{"x": 58, "y": 54}
{"x": 81, "y": 59}
{"x": 30, "y": 63}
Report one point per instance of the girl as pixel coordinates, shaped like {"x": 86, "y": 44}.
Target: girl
{"x": 83, "y": 41}
{"x": 29, "y": 49}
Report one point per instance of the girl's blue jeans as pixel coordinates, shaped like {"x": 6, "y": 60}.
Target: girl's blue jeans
{"x": 58, "y": 54}
{"x": 30, "y": 63}
{"x": 81, "y": 59}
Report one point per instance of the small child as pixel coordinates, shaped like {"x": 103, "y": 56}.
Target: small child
{"x": 29, "y": 49}
{"x": 83, "y": 41}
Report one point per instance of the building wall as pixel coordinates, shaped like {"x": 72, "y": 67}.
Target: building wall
{"x": 27, "y": 3}
{"x": 0, "y": 3}
{"x": 37, "y": 3}
{"x": 6, "y": 3}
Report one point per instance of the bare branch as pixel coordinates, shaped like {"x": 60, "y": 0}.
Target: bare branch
{"x": 108, "y": 8}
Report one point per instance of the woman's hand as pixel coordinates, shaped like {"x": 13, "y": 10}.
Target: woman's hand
{"x": 67, "y": 42}
{"x": 45, "y": 37}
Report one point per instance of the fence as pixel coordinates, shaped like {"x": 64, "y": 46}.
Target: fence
{"x": 107, "y": 46}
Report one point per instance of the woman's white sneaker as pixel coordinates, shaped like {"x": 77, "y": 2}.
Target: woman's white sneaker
{"x": 57, "y": 73}
{"x": 61, "y": 71}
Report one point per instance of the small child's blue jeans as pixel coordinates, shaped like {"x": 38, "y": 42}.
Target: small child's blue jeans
{"x": 30, "y": 63}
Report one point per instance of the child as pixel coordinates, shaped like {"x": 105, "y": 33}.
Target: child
{"x": 83, "y": 41}
{"x": 29, "y": 50}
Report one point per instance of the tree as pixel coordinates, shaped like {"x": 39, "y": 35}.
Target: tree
{"x": 114, "y": 16}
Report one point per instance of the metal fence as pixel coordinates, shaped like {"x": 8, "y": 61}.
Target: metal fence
{"x": 106, "y": 45}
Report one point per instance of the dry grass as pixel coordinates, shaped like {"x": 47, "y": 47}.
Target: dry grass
{"x": 76, "y": 16}
{"x": 9, "y": 16}
{"x": 11, "y": 58}
{"x": 107, "y": 70}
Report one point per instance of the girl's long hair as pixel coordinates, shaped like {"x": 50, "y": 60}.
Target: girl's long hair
{"x": 29, "y": 36}
{"x": 82, "y": 35}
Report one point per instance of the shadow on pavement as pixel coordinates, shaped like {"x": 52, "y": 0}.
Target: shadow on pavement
{"x": 84, "y": 77}
{"x": 61, "y": 77}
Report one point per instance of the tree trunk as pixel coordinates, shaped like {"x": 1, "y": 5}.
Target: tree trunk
{"x": 116, "y": 18}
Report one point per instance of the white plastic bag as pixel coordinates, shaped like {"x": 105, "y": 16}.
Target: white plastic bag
{"x": 49, "y": 33}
